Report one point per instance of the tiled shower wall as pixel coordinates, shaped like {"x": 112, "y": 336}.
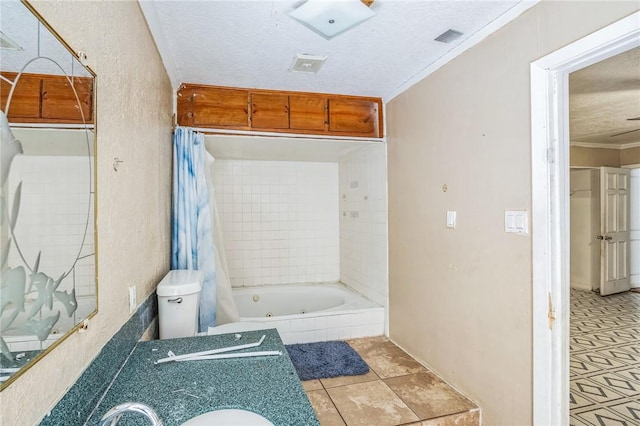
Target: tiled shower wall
{"x": 56, "y": 202}
{"x": 279, "y": 221}
{"x": 363, "y": 222}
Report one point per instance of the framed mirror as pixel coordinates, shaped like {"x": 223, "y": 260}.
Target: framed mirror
{"x": 47, "y": 204}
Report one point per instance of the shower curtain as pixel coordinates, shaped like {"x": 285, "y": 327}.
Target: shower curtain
{"x": 226, "y": 306}
{"x": 192, "y": 233}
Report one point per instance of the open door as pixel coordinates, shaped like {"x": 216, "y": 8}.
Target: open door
{"x": 614, "y": 230}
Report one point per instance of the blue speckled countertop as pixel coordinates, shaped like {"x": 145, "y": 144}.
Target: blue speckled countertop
{"x": 178, "y": 391}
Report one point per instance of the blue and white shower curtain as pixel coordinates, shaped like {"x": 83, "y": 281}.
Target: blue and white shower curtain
{"x": 192, "y": 234}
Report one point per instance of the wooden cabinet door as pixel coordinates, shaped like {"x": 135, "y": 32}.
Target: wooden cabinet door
{"x": 25, "y": 102}
{"x": 216, "y": 107}
{"x": 59, "y": 100}
{"x": 307, "y": 112}
{"x": 354, "y": 116}
{"x": 269, "y": 111}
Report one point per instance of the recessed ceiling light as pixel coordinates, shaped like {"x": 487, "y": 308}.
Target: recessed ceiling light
{"x": 448, "y": 36}
{"x": 7, "y": 43}
{"x": 332, "y": 17}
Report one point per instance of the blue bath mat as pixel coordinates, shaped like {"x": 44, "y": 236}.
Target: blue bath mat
{"x": 322, "y": 360}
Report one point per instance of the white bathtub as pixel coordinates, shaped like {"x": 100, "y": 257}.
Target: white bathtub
{"x": 305, "y": 313}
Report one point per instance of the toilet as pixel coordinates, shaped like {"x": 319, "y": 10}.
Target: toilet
{"x": 178, "y": 302}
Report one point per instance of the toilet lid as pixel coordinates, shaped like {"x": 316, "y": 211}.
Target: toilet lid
{"x": 180, "y": 282}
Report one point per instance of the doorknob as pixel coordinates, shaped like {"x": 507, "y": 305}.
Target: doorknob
{"x": 600, "y": 237}
{"x": 608, "y": 238}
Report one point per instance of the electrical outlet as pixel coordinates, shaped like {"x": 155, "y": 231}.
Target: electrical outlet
{"x": 132, "y": 299}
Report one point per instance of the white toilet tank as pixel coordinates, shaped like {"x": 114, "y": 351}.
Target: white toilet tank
{"x": 178, "y": 301}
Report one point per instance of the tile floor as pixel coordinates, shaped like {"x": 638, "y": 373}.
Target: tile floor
{"x": 605, "y": 359}
{"x": 396, "y": 391}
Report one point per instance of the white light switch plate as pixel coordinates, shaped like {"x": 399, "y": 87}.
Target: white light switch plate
{"x": 516, "y": 221}
{"x": 451, "y": 219}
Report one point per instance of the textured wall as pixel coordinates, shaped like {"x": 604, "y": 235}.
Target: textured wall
{"x": 134, "y": 99}
{"x": 460, "y": 300}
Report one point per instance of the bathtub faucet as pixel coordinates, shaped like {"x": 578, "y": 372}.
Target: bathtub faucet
{"x": 113, "y": 415}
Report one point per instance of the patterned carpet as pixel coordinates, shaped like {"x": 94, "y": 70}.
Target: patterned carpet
{"x": 605, "y": 359}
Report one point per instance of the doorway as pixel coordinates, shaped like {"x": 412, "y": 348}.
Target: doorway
{"x": 550, "y": 210}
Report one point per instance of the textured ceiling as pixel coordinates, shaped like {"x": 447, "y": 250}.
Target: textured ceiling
{"x": 252, "y": 43}
{"x": 602, "y": 97}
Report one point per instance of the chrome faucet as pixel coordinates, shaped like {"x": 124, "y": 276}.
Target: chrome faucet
{"x": 112, "y": 416}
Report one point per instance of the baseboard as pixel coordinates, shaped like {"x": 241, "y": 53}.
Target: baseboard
{"x": 580, "y": 286}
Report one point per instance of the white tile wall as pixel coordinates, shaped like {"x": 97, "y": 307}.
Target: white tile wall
{"x": 56, "y": 201}
{"x": 363, "y": 222}
{"x": 279, "y": 220}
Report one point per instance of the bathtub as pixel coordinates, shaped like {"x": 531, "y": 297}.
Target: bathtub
{"x": 304, "y": 313}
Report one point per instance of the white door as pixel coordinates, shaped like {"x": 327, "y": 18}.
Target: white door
{"x": 614, "y": 230}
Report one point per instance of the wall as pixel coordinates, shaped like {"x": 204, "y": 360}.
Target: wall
{"x": 585, "y": 225}
{"x": 363, "y": 222}
{"x": 279, "y": 220}
{"x": 629, "y": 156}
{"x": 134, "y": 99}
{"x": 594, "y": 157}
{"x": 604, "y": 157}
{"x": 460, "y": 300}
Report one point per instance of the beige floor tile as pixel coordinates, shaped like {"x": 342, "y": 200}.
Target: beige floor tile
{"x": 325, "y": 410}
{"x": 370, "y": 403}
{"x": 349, "y": 380}
{"x": 385, "y": 358}
{"x": 470, "y": 418}
{"x": 366, "y": 342}
{"x": 309, "y": 385}
{"x": 428, "y": 396}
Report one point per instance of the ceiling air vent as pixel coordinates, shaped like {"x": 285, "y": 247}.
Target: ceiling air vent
{"x": 448, "y": 36}
{"x": 307, "y": 63}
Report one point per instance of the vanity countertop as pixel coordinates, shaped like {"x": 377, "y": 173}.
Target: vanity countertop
{"x": 178, "y": 391}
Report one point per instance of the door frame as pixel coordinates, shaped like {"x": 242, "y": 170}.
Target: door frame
{"x": 550, "y": 209}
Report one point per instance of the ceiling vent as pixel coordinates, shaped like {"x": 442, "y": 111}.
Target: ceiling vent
{"x": 448, "y": 36}
{"x": 307, "y": 63}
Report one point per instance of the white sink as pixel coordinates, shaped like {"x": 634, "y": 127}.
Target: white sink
{"x": 228, "y": 418}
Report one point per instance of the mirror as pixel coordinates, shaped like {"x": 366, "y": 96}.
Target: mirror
{"x": 47, "y": 222}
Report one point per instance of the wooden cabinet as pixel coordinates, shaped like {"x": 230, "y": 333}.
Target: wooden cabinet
{"x": 213, "y": 107}
{"x": 282, "y": 112}
{"x": 269, "y": 111}
{"x": 42, "y": 98}
{"x": 308, "y": 112}
{"x": 353, "y": 116}
{"x": 59, "y": 100}
{"x": 25, "y": 101}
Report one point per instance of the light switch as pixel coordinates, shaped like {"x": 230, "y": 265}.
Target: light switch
{"x": 516, "y": 221}
{"x": 451, "y": 219}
